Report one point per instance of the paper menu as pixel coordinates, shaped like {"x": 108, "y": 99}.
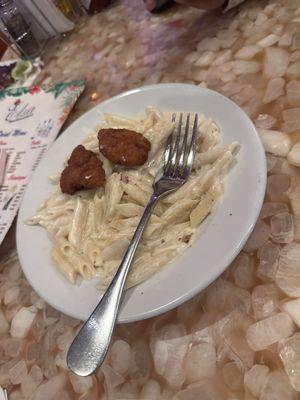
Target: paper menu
{"x": 31, "y": 118}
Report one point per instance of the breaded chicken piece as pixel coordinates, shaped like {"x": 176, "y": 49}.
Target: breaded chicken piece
{"x": 123, "y": 146}
{"x": 84, "y": 171}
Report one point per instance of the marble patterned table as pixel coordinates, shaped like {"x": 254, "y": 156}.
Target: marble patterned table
{"x": 240, "y": 338}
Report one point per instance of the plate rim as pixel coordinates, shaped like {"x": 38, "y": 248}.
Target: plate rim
{"x": 229, "y": 258}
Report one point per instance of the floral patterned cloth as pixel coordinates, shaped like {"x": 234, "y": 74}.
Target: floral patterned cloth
{"x": 31, "y": 118}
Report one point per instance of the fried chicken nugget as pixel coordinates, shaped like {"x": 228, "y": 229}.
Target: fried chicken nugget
{"x": 84, "y": 171}
{"x": 123, "y": 146}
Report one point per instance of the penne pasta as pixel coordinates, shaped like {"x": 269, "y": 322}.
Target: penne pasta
{"x": 93, "y": 249}
{"x": 65, "y": 247}
{"x": 116, "y": 250}
{"x": 92, "y": 229}
{"x": 65, "y": 267}
{"x": 113, "y": 194}
{"x": 129, "y": 210}
{"x": 78, "y": 222}
{"x": 178, "y": 212}
{"x": 82, "y": 265}
{"x": 206, "y": 204}
{"x": 135, "y": 194}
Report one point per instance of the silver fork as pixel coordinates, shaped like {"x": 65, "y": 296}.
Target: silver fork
{"x": 89, "y": 348}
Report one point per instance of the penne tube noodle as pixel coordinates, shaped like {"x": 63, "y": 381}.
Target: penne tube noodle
{"x": 186, "y": 190}
{"x": 83, "y": 266}
{"x": 129, "y": 210}
{"x": 117, "y": 121}
{"x": 64, "y": 266}
{"x": 154, "y": 228}
{"x": 78, "y": 222}
{"x": 93, "y": 249}
{"x": 178, "y": 212}
{"x": 116, "y": 250}
{"x": 113, "y": 194}
{"x": 90, "y": 225}
{"x": 62, "y": 231}
{"x": 206, "y": 204}
{"x": 65, "y": 247}
{"x": 136, "y": 195}
{"x": 123, "y": 224}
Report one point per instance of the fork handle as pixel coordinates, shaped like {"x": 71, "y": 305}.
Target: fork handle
{"x": 89, "y": 347}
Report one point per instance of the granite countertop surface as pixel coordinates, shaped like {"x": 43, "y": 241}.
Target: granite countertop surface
{"x": 240, "y": 338}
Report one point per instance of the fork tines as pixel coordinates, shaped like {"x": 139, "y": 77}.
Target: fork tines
{"x": 180, "y": 147}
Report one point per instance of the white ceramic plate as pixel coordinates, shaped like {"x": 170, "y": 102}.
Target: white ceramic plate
{"x": 222, "y": 235}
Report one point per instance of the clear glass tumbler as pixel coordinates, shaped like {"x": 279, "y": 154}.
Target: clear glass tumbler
{"x": 18, "y": 29}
